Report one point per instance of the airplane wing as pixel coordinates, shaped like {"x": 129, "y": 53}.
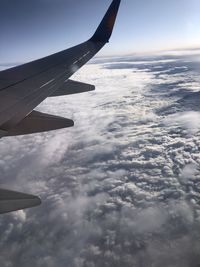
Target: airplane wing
{"x": 24, "y": 87}
{"x": 12, "y": 201}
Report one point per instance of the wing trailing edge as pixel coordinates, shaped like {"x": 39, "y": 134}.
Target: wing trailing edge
{"x": 37, "y": 122}
{"x": 12, "y": 201}
{"x": 73, "y": 87}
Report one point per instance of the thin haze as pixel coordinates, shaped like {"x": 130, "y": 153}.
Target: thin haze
{"x": 32, "y": 29}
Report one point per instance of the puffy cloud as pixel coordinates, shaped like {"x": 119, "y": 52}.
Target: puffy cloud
{"x": 189, "y": 172}
{"x": 187, "y": 120}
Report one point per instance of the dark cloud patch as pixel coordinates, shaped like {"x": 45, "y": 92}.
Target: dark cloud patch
{"x": 161, "y": 66}
{"x": 190, "y": 101}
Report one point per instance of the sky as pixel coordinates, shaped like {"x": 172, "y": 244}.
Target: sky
{"x": 121, "y": 187}
{"x": 33, "y": 29}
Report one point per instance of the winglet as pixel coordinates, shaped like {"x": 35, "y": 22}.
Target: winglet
{"x": 105, "y": 28}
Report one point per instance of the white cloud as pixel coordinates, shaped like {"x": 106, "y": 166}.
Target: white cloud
{"x": 189, "y": 121}
{"x": 114, "y": 187}
{"x": 188, "y": 172}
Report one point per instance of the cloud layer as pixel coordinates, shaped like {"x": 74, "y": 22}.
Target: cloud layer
{"x": 122, "y": 187}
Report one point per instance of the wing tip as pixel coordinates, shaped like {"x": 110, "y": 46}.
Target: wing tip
{"x": 105, "y": 28}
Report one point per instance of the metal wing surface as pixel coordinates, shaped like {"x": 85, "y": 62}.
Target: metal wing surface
{"x": 24, "y": 87}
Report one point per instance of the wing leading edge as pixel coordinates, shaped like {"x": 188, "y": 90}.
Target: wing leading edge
{"x": 24, "y": 87}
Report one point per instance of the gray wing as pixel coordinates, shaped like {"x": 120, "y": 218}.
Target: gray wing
{"x": 12, "y": 201}
{"x": 24, "y": 87}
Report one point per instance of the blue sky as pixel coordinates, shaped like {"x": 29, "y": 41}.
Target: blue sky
{"x": 32, "y": 29}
